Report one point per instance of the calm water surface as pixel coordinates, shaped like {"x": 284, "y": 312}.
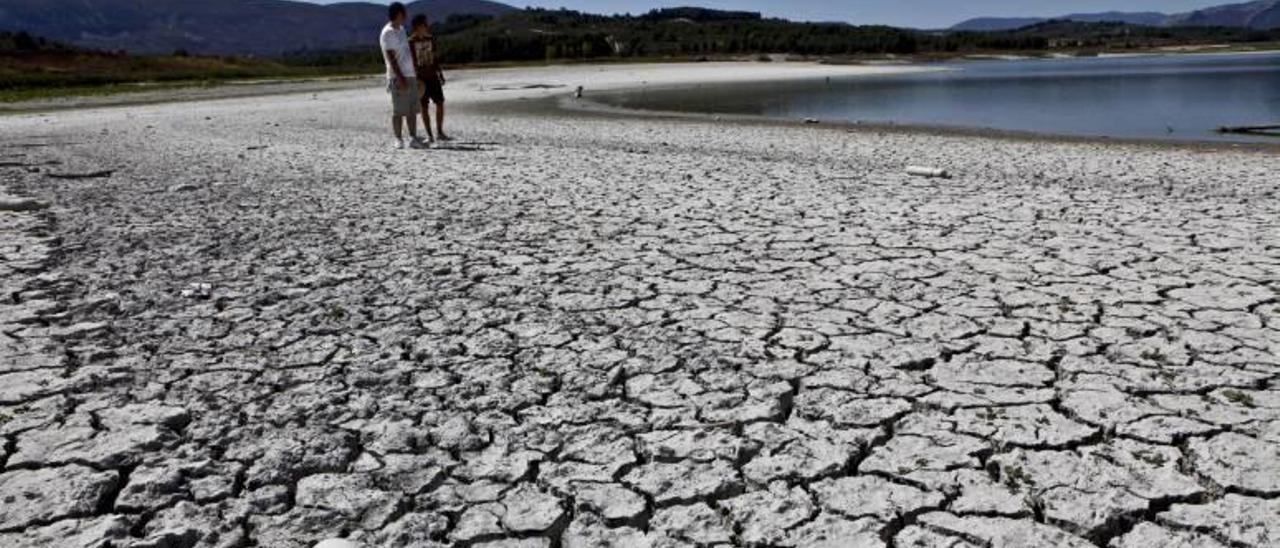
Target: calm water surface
{"x": 1161, "y": 97}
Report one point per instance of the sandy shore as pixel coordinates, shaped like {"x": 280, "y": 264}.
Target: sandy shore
{"x": 145, "y": 94}
{"x": 248, "y": 322}
{"x": 487, "y": 85}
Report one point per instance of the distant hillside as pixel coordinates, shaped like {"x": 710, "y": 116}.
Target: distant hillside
{"x": 12, "y": 43}
{"x": 1109, "y": 36}
{"x": 220, "y": 27}
{"x": 1255, "y": 15}
{"x": 1261, "y": 15}
{"x": 274, "y": 28}
{"x": 699, "y": 15}
{"x": 33, "y": 67}
{"x": 539, "y": 34}
{"x": 545, "y": 35}
{"x": 990, "y": 24}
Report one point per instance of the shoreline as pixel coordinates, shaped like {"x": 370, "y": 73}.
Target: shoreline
{"x": 533, "y": 93}
{"x": 590, "y": 107}
{"x": 559, "y": 99}
{"x": 612, "y": 74}
{"x": 516, "y": 87}
{"x": 524, "y": 84}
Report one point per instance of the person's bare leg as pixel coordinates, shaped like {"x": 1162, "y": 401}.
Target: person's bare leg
{"x": 413, "y": 126}
{"x": 426, "y": 122}
{"x": 440, "y": 120}
{"x": 397, "y": 127}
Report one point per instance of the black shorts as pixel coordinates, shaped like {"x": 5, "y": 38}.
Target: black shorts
{"x": 434, "y": 91}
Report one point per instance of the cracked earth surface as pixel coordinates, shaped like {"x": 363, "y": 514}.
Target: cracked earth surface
{"x": 261, "y": 328}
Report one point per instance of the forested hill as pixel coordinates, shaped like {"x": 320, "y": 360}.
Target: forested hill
{"x": 537, "y": 34}
{"x": 530, "y": 35}
{"x": 1258, "y": 15}
{"x": 694, "y": 33}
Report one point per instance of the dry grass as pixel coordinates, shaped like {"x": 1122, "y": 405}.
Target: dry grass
{"x": 44, "y": 74}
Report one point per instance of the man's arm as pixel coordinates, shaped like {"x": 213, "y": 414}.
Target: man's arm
{"x": 435, "y": 47}
{"x": 401, "y": 81}
{"x": 413, "y": 53}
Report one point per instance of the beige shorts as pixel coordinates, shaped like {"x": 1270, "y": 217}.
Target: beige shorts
{"x": 406, "y": 101}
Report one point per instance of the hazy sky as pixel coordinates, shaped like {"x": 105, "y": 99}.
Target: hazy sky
{"x": 912, "y": 13}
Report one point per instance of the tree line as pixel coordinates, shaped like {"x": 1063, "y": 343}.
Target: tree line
{"x": 22, "y": 42}
{"x": 560, "y": 35}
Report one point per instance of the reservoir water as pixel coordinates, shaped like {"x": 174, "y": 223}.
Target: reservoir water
{"x": 1174, "y": 97}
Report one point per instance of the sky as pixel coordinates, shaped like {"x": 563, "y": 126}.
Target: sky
{"x": 905, "y": 13}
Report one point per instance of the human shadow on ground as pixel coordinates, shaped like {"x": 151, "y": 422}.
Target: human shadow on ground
{"x": 464, "y": 146}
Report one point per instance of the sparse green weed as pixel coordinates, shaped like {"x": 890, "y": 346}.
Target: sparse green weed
{"x": 1155, "y": 355}
{"x": 1239, "y": 398}
{"x": 1015, "y": 477}
{"x": 1150, "y": 457}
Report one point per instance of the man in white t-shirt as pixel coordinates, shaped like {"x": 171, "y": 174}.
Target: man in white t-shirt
{"x": 402, "y": 81}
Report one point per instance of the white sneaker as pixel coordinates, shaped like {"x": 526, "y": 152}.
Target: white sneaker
{"x": 399, "y": 145}
{"x": 418, "y": 144}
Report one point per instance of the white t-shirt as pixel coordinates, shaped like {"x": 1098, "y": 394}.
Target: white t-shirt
{"x": 394, "y": 39}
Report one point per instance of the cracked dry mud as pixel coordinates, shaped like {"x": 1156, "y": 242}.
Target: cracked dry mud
{"x": 265, "y": 329}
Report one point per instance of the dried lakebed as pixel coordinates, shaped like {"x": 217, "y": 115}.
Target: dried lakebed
{"x": 248, "y": 323}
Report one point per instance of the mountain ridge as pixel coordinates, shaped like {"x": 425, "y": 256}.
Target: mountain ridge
{"x": 278, "y": 27}
{"x": 1260, "y": 15}
{"x": 225, "y": 27}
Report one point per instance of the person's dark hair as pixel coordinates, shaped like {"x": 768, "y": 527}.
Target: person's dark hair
{"x": 396, "y": 9}
{"x": 418, "y": 21}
